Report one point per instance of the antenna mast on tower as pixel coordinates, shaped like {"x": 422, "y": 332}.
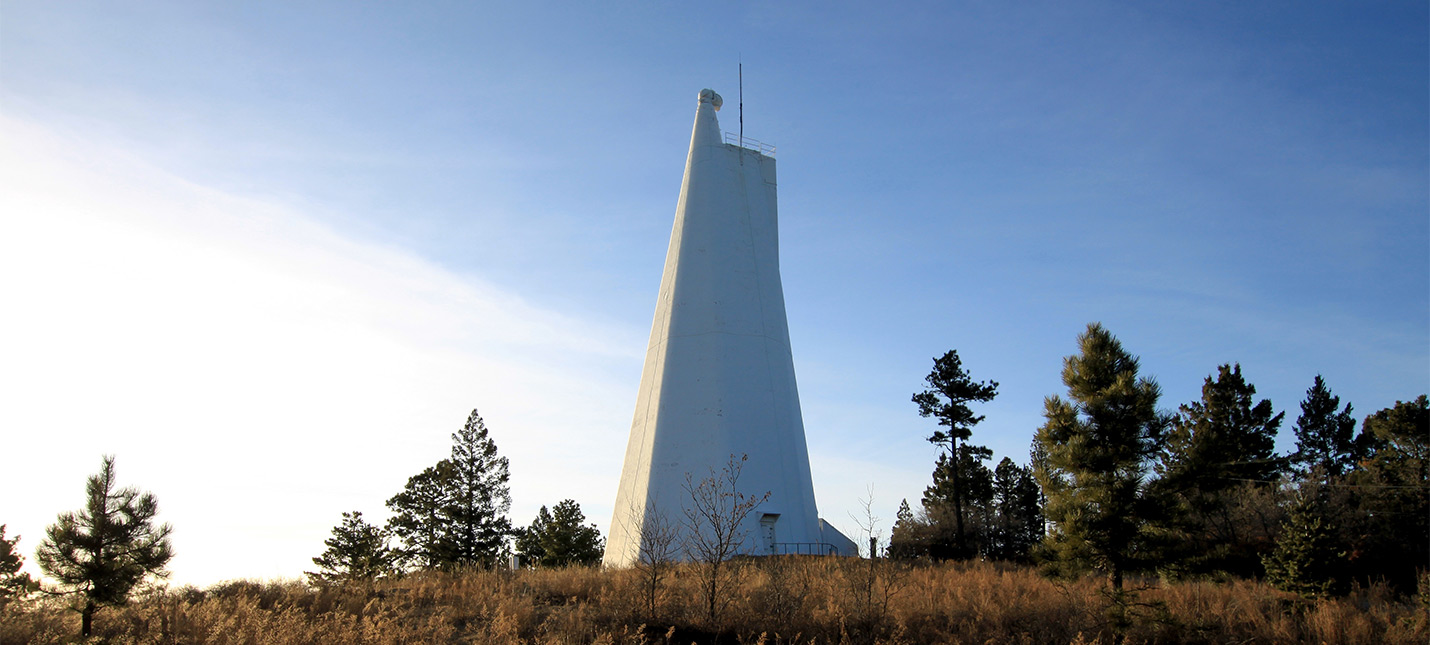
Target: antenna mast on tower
{"x": 742, "y": 104}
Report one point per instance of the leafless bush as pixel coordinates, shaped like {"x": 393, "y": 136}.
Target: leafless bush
{"x": 660, "y": 544}
{"x": 714, "y": 528}
{"x": 871, "y": 583}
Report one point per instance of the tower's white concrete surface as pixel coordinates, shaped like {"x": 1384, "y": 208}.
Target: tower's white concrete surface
{"x": 719, "y": 376}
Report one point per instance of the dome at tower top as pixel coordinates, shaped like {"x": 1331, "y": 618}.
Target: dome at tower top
{"x": 709, "y": 96}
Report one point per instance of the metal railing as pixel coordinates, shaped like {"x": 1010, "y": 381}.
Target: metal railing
{"x": 805, "y": 548}
{"x": 747, "y": 143}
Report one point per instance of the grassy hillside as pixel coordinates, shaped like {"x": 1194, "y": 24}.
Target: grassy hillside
{"x": 778, "y": 600}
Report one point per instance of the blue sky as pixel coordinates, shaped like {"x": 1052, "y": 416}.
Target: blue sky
{"x": 271, "y": 254}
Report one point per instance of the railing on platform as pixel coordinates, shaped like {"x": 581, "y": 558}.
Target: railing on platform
{"x": 805, "y": 548}
{"x": 747, "y": 143}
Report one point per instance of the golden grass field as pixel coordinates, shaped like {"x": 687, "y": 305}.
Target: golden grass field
{"x": 771, "y": 601}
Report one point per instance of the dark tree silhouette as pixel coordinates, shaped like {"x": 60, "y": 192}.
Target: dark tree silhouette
{"x": 559, "y": 538}
{"x": 950, "y": 390}
{"x": 1017, "y": 513}
{"x": 102, "y": 552}
{"x": 421, "y": 519}
{"x": 357, "y": 552}
{"x": 453, "y": 514}
{"x": 974, "y": 484}
{"x": 1216, "y": 449}
{"x": 1325, "y": 438}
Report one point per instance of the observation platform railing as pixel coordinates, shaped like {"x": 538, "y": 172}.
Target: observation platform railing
{"x": 734, "y": 139}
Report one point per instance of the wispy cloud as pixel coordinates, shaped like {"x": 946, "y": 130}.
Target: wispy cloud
{"x": 261, "y": 372}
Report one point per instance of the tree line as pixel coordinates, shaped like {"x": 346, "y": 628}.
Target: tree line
{"x": 1116, "y": 484}
{"x": 452, "y": 515}
{"x": 449, "y": 516}
{"x": 1113, "y": 483}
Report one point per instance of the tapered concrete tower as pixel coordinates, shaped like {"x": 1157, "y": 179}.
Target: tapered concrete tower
{"x": 719, "y": 375}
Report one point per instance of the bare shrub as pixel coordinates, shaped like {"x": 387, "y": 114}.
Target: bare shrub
{"x": 870, "y": 584}
{"x": 660, "y": 546}
{"x": 714, "y": 526}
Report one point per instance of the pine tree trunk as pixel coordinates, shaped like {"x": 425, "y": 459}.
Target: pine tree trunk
{"x": 958, "y": 501}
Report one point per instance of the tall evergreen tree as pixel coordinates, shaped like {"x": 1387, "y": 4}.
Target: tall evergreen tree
{"x": 453, "y": 514}
{"x": 357, "y": 552}
{"x": 1215, "y": 448}
{"x": 950, "y": 390}
{"x": 483, "y": 495}
{"x": 560, "y": 538}
{"x": 102, "y": 552}
{"x": 1099, "y": 447}
{"x": 1324, "y": 437}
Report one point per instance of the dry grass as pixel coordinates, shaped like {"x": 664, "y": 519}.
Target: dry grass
{"x": 776, "y": 601}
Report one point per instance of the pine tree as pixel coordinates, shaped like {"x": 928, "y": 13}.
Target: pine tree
{"x": 1214, "y": 448}
{"x": 1224, "y": 438}
{"x": 102, "y": 552}
{"x": 453, "y": 514}
{"x": 1099, "y": 445}
{"x": 14, "y": 584}
{"x": 482, "y": 497}
{"x": 559, "y": 538}
{"x": 946, "y": 399}
{"x": 528, "y": 540}
{"x": 357, "y": 552}
{"x": 421, "y": 520}
{"x": 906, "y": 539}
{"x": 1324, "y": 437}
{"x": 904, "y": 514}
{"x": 975, "y": 484}
{"x": 1306, "y": 560}
{"x": 1018, "y": 517}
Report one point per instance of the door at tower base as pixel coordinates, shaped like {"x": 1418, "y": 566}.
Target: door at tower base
{"x": 718, "y": 387}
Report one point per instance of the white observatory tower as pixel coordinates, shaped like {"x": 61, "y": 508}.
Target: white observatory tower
{"x": 719, "y": 377}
